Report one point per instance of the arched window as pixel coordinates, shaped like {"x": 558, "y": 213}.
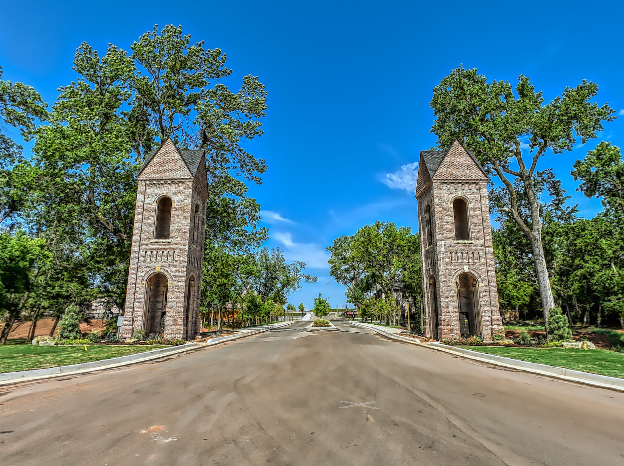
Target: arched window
{"x": 196, "y": 223}
{"x": 428, "y": 226}
{"x": 460, "y": 216}
{"x": 433, "y": 308}
{"x": 163, "y": 218}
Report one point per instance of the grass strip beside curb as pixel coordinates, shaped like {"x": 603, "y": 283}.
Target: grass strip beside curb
{"x": 597, "y": 361}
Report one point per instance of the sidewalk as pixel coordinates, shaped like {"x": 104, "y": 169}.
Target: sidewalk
{"x": 555, "y": 372}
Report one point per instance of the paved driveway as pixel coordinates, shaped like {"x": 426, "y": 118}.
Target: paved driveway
{"x": 295, "y": 397}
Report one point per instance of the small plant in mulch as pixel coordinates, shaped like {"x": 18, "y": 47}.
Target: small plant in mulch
{"x": 321, "y": 323}
{"x": 558, "y": 328}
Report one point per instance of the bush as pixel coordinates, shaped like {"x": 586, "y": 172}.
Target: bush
{"x": 154, "y": 339}
{"x": 69, "y": 325}
{"x": 524, "y": 338}
{"x": 470, "y": 341}
{"x": 558, "y": 328}
{"x": 173, "y": 341}
{"x": 140, "y": 335}
{"x": 321, "y": 323}
{"x": 94, "y": 337}
{"x": 73, "y": 341}
{"x": 110, "y": 327}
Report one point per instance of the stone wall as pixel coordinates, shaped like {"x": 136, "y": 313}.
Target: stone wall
{"x": 180, "y": 256}
{"x": 447, "y": 258}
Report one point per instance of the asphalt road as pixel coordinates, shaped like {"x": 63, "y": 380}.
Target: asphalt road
{"x": 293, "y": 397}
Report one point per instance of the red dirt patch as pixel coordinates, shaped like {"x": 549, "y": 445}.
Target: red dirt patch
{"x": 21, "y": 329}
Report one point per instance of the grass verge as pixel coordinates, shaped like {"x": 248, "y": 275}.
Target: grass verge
{"x": 25, "y": 357}
{"x": 528, "y": 328}
{"x": 594, "y": 361}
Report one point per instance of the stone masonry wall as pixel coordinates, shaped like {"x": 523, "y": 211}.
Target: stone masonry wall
{"x": 458, "y": 176}
{"x": 178, "y": 257}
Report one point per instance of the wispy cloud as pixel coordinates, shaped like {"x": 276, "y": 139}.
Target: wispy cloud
{"x": 310, "y": 253}
{"x": 404, "y": 179}
{"x": 621, "y": 112}
{"x": 273, "y": 217}
{"x": 389, "y": 149}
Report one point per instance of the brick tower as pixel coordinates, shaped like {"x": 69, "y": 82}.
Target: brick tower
{"x": 459, "y": 281}
{"x": 164, "y": 279}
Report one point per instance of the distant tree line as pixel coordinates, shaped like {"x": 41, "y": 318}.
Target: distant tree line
{"x": 380, "y": 267}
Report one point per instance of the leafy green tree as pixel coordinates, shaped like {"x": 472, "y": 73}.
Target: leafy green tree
{"x": 273, "y": 278}
{"x": 301, "y": 308}
{"x": 602, "y": 175}
{"x": 69, "y": 326}
{"x": 558, "y": 328}
{"x": 321, "y": 306}
{"x": 495, "y": 123}
{"x": 20, "y": 107}
{"x": 121, "y": 107}
{"x": 379, "y": 258}
{"x": 21, "y": 260}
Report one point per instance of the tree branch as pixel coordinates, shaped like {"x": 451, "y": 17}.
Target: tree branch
{"x": 514, "y": 200}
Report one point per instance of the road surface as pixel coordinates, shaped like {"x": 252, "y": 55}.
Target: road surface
{"x": 294, "y": 397}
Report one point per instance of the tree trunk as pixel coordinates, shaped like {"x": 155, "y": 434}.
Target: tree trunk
{"x": 33, "y": 327}
{"x": 219, "y": 322}
{"x": 409, "y": 327}
{"x": 211, "y": 318}
{"x": 567, "y": 306}
{"x": 8, "y": 325}
{"x": 622, "y": 322}
{"x": 56, "y": 321}
{"x": 599, "y": 317}
{"x": 543, "y": 279}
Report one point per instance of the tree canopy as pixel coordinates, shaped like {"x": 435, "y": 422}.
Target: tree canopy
{"x": 509, "y": 129}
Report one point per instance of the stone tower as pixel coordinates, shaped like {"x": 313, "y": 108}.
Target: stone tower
{"x": 459, "y": 280}
{"x": 164, "y": 279}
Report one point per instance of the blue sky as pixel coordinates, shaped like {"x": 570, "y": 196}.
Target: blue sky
{"x": 349, "y": 87}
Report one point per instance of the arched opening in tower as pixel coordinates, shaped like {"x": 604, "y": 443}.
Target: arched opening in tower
{"x": 163, "y": 218}
{"x": 428, "y": 226}
{"x": 155, "y": 304}
{"x": 196, "y": 224}
{"x": 468, "y": 304}
{"x": 434, "y": 313}
{"x": 460, "y": 217}
{"x": 189, "y": 314}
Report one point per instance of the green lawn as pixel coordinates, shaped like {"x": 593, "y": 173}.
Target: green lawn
{"x": 595, "y": 361}
{"x": 22, "y": 357}
{"x": 528, "y": 328}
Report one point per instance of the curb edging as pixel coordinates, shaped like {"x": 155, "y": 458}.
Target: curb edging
{"x": 555, "y": 372}
{"x": 7, "y": 378}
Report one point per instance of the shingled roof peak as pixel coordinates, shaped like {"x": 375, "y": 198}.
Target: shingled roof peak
{"x": 191, "y": 157}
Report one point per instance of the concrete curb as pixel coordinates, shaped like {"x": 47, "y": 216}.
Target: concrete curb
{"x": 555, "y": 372}
{"x": 7, "y": 378}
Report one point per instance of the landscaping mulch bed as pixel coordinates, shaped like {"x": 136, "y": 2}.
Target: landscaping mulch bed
{"x": 600, "y": 340}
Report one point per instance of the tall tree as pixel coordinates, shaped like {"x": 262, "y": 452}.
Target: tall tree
{"x": 496, "y": 123}
{"x": 21, "y": 107}
{"x": 121, "y": 107}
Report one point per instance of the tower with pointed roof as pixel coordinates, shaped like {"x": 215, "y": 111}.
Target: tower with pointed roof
{"x": 167, "y": 250}
{"x": 459, "y": 280}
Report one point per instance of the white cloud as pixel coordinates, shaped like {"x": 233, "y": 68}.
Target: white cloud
{"x": 310, "y": 253}
{"x": 622, "y": 112}
{"x": 273, "y": 217}
{"x": 404, "y": 179}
